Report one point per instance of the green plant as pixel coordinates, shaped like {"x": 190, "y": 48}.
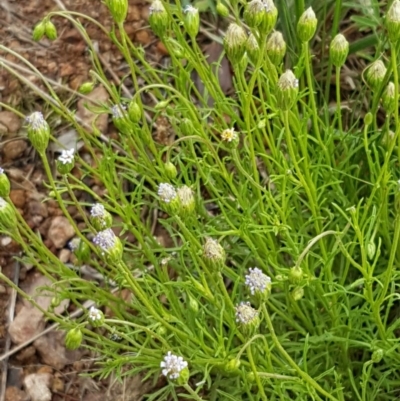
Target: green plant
{"x": 284, "y": 219}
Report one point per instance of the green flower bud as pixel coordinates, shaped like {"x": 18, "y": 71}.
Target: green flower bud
{"x": 86, "y": 88}
{"x": 368, "y": 119}
{"x": 276, "y": 48}
{"x": 50, "y": 30}
{"x": 232, "y": 366}
{"x": 269, "y": 18}
{"x": 4, "y": 184}
{"x": 187, "y": 201}
{"x": 295, "y": 274}
{"x": 254, "y": 13}
{"x": 387, "y": 138}
{"x": 100, "y": 218}
{"x": 158, "y": 18}
{"x": 388, "y": 98}
{"x": 73, "y": 339}
{"x": 222, "y": 9}
{"x": 186, "y": 127}
{"x": 110, "y": 245}
{"x": 170, "y": 170}
{"x": 252, "y": 49}
{"x": 169, "y": 198}
{"x": 287, "y": 90}
{"x": 377, "y": 355}
{"x": 213, "y": 254}
{"x": 375, "y": 74}
{"x": 297, "y": 293}
{"x": 338, "y": 50}
{"x": 134, "y": 112}
{"x": 120, "y": 118}
{"x": 39, "y": 31}
{"x": 307, "y": 25}
{"x": 80, "y": 249}
{"x": 161, "y": 331}
{"x": 55, "y": 302}
{"x": 191, "y": 21}
{"x": 8, "y": 219}
{"x": 393, "y": 21}
{"x": 193, "y": 305}
{"x": 118, "y": 9}
{"x": 175, "y": 368}
{"x": 247, "y": 319}
{"x": 95, "y": 317}
{"x": 371, "y": 249}
{"x": 235, "y": 43}
{"x": 251, "y": 377}
{"x": 38, "y": 131}
{"x": 66, "y": 161}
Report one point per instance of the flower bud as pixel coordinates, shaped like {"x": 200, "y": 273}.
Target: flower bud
{"x": 191, "y": 21}
{"x": 100, "y": 218}
{"x": 387, "y": 138}
{"x": 229, "y": 368}
{"x": 393, "y": 21}
{"x": 187, "y": 201}
{"x": 186, "y": 127}
{"x": 222, "y": 9}
{"x": 4, "y": 184}
{"x": 175, "y": 368}
{"x": 235, "y": 43}
{"x": 295, "y": 274}
{"x": 371, "y": 249}
{"x": 170, "y": 170}
{"x": 65, "y": 162}
{"x": 158, "y": 18}
{"x": 377, "y": 355}
{"x": 168, "y": 198}
{"x": 86, "y": 87}
{"x": 95, "y": 317}
{"x": 368, "y": 119}
{"x": 39, "y": 31}
{"x": 73, "y": 339}
{"x": 80, "y": 249}
{"x": 307, "y": 25}
{"x": 287, "y": 90}
{"x": 269, "y": 18}
{"x": 110, "y": 245}
{"x": 213, "y": 254}
{"x": 297, "y": 293}
{"x": 55, "y": 302}
{"x": 161, "y": 331}
{"x": 230, "y": 136}
{"x": 120, "y": 118}
{"x": 375, "y": 74}
{"x": 38, "y": 131}
{"x": 259, "y": 284}
{"x": 252, "y": 49}
{"x": 388, "y": 98}
{"x": 276, "y": 48}
{"x": 134, "y": 111}
{"x": 193, "y": 305}
{"x": 254, "y": 13}
{"x": 247, "y": 318}
{"x": 8, "y": 219}
{"x": 118, "y": 9}
{"x": 338, "y": 50}
{"x": 50, "y": 30}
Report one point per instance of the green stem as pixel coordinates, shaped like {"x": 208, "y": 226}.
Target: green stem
{"x": 256, "y": 376}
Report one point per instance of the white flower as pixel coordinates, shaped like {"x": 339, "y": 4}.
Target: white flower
{"x": 229, "y": 135}
{"x": 212, "y": 249}
{"x": 257, "y": 281}
{"x": 245, "y": 314}
{"x": 166, "y": 192}
{"x": 97, "y": 210}
{"x": 74, "y": 244}
{"x": 94, "y": 314}
{"x": 172, "y": 366}
{"x": 67, "y": 156}
{"x": 36, "y": 121}
{"x": 105, "y": 239}
{"x": 190, "y": 9}
{"x": 118, "y": 111}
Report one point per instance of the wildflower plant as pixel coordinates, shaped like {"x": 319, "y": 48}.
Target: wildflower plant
{"x": 281, "y": 213}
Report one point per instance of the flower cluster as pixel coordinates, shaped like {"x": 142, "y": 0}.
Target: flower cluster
{"x": 229, "y": 135}
{"x": 36, "y": 121}
{"x": 105, "y": 239}
{"x": 172, "y": 366}
{"x": 166, "y": 192}
{"x": 97, "y": 210}
{"x": 245, "y": 313}
{"x": 257, "y": 281}
{"x": 118, "y": 111}
{"x": 67, "y": 156}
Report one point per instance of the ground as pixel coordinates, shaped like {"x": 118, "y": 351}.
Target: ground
{"x": 43, "y": 370}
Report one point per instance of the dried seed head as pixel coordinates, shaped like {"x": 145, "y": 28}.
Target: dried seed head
{"x": 235, "y": 43}
{"x": 187, "y": 201}
{"x": 247, "y": 318}
{"x": 375, "y": 74}
{"x": 393, "y": 21}
{"x": 287, "y": 90}
{"x": 214, "y": 254}
{"x": 38, "y": 131}
{"x": 307, "y": 25}
{"x": 276, "y": 48}
{"x": 338, "y": 50}
{"x": 174, "y": 368}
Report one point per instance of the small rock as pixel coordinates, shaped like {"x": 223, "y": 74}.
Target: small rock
{"x": 28, "y": 323}
{"x": 143, "y": 37}
{"x": 162, "y": 49}
{"x": 14, "y": 149}
{"x": 26, "y": 354}
{"x": 15, "y": 394}
{"x": 5, "y": 241}
{"x": 60, "y": 231}
{"x": 37, "y": 209}
{"x": 18, "y": 197}
{"x": 37, "y": 386}
{"x": 52, "y": 350}
{"x": 64, "y": 255}
{"x": 10, "y": 120}
{"x": 3, "y": 290}
{"x": 58, "y": 385}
